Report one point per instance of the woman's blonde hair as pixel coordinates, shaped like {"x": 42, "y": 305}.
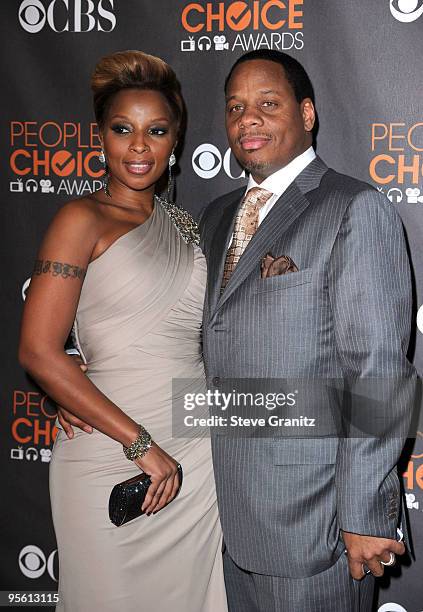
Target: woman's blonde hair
{"x": 134, "y": 70}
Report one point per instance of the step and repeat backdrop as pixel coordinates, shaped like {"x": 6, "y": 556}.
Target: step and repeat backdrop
{"x": 364, "y": 59}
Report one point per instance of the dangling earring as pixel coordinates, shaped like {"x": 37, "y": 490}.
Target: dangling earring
{"x": 105, "y": 180}
{"x": 172, "y": 162}
{"x": 105, "y": 177}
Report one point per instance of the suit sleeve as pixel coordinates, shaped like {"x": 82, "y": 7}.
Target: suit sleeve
{"x": 371, "y": 298}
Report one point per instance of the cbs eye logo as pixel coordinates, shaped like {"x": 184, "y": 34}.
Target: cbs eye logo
{"x": 420, "y": 319}
{"x": 207, "y": 162}
{"x": 391, "y": 607}
{"x": 33, "y": 16}
{"x": 33, "y": 562}
{"x": 406, "y": 11}
{"x": 25, "y": 287}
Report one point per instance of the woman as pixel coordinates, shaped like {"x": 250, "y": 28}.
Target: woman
{"x": 131, "y": 283}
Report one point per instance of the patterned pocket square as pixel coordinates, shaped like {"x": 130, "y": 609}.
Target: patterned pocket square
{"x": 275, "y": 266}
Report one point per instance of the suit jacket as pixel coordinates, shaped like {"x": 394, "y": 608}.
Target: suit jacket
{"x": 346, "y": 314}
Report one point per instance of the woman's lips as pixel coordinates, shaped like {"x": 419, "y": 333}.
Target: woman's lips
{"x": 139, "y": 168}
{"x": 252, "y": 143}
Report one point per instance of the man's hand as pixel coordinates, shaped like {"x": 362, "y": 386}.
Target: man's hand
{"x": 369, "y": 551}
{"x": 67, "y": 420}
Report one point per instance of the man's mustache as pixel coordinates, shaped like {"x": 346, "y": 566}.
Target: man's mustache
{"x": 248, "y": 135}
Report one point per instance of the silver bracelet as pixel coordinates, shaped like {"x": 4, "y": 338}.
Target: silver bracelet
{"x": 139, "y": 446}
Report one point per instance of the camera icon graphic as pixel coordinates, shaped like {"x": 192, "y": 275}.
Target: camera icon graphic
{"x": 411, "y": 501}
{"x": 413, "y": 196}
{"x": 220, "y": 43}
{"x": 46, "y": 186}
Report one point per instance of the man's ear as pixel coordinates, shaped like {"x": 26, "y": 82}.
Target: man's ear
{"x": 308, "y": 113}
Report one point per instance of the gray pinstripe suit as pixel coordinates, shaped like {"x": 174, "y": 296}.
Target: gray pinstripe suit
{"x": 345, "y": 313}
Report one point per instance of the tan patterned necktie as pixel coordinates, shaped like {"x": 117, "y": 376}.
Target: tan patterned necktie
{"x": 246, "y": 224}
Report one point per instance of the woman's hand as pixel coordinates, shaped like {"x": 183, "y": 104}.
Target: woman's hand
{"x": 163, "y": 472}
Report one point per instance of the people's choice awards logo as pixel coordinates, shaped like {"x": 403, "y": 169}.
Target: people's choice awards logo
{"x": 67, "y": 15}
{"x": 396, "y": 163}
{"x": 413, "y": 476}
{"x": 51, "y": 157}
{"x": 238, "y": 16}
{"x": 33, "y": 562}
{"x": 406, "y": 11}
{"x": 207, "y": 162}
{"x": 238, "y": 26}
{"x": 33, "y": 426}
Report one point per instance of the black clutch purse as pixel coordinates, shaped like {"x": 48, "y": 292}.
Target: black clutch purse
{"x": 128, "y": 496}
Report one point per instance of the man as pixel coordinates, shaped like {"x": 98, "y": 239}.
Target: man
{"x": 308, "y": 278}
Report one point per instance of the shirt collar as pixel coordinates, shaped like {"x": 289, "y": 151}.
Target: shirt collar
{"x": 280, "y": 180}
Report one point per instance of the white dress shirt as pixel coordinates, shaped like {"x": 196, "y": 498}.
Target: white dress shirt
{"x": 278, "y": 182}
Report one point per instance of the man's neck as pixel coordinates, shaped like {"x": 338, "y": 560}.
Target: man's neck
{"x": 279, "y": 180}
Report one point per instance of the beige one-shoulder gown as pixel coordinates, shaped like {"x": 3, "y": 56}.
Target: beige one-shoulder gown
{"x": 138, "y": 326}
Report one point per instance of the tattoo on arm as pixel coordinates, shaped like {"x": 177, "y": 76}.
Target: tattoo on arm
{"x": 58, "y": 268}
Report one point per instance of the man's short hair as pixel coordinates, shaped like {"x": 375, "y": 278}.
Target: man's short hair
{"x": 294, "y": 71}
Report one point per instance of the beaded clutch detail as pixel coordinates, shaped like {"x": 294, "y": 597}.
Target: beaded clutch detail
{"x": 182, "y": 220}
{"x": 127, "y": 498}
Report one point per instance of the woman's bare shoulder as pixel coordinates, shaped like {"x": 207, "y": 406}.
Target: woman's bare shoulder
{"x": 78, "y": 221}
{"x": 83, "y": 210}
{"x": 80, "y": 215}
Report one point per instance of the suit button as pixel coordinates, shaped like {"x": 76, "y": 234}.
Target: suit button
{"x": 216, "y": 381}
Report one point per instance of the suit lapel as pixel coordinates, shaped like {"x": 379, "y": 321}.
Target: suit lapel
{"x": 218, "y": 249}
{"x": 280, "y": 218}
{"x": 276, "y": 223}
